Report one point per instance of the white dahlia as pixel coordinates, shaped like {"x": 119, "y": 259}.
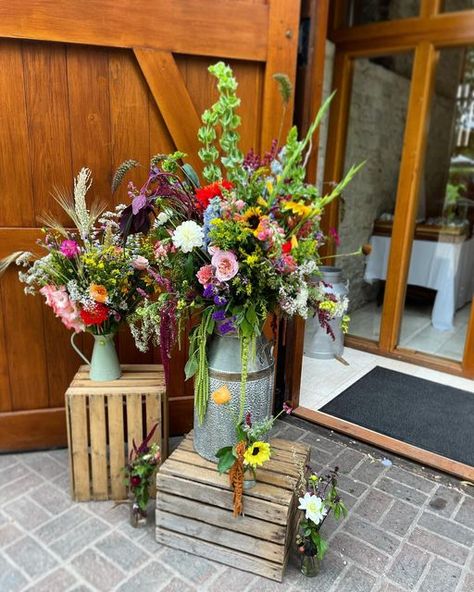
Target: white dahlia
{"x": 187, "y": 236}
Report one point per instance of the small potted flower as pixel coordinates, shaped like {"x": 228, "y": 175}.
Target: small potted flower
{"x": 138, "y": 476}
{"x": 319, "y": 498}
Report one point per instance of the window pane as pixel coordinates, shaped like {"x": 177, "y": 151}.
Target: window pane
{"x": 441, "y": 277}
{"x": 456, "y": 5}
{"x": 362, "y": 12}
{"x": 377, "y": 116}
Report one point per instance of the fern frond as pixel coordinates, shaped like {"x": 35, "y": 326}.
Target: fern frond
{"x": 121, "y": 171}
{"x": 284, "y": 86}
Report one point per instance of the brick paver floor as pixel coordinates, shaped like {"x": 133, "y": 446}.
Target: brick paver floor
{"x": 409, "y": 529}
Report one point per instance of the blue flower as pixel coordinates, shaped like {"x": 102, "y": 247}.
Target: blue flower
{"x": 212, "y": 211}
{"x": 220, "y": 300}
{"x": 219, "y": 315}
{"x": 209, "y": 291}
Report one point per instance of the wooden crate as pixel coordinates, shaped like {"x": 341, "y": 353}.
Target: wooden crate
{"x": 194, "y": 509}
{"x": 103, "y": 419}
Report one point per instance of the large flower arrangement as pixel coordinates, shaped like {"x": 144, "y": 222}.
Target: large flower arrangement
{"x": 242, "y": 245}
{"x": 90, "y": 280}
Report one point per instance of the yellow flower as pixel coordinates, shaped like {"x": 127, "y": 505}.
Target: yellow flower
{"x": 294, "y": 242}
{"x": 222, "y": 395}
{"x": 328, "y": 305}
{"x": 98, "y": 293}
{"x": 252, "y": 217}
{"x": 262, "y": 202}
{"x": 297, "y": 208}
{"x": 257, "y": 453}
{"x": 251, "y": 260}
{"x": 269, "y": 186}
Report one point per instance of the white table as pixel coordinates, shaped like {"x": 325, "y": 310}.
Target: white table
{"x": 447, "y": 268}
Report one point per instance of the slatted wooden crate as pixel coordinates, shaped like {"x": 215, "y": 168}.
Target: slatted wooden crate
{"x": 194, "y": 509}
{"x": 103, "y": 419}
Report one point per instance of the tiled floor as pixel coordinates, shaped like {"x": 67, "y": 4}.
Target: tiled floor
{"x": 409, "y": 529}
{"x": 322, "y": 380}
{"x": 417, "y": 332}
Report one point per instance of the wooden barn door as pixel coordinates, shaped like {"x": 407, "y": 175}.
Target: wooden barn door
{"x": 93, "y": 84}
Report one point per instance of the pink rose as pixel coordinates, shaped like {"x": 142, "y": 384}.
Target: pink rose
{"x": 63, "y": 307}
{"x": 204, "y": 275}
{"x": 226, "y": 265}
{"x": 140, "y": 262}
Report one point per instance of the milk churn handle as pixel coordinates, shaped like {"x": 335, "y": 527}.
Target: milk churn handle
{"x": 78, "y": 351}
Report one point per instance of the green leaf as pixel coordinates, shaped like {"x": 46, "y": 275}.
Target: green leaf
{"x": 191, "y": 367}
{"x": 190, "y": 174}
{"x": 222, "y": 451}
{"x": 226, "y": 461}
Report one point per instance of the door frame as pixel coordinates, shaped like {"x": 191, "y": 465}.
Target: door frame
{"x": 425, "y": 35}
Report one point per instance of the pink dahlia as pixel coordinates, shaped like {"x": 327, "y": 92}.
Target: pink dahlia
{"x": 58, "y": 299}
{"x": 204, "y": 275}
{"x": 226, "y": 265}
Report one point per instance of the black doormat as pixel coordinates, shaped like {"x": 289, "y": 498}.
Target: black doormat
{"x": 426, "y": 414}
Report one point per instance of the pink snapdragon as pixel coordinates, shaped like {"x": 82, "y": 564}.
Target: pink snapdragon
{"x": 204, "y": 275}
{"x": 69, "y": 248}
{"x": 226, "y": 265}
{"x": 58, "y": 299}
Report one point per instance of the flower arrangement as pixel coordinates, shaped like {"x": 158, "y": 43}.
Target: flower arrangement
{"x": 319, "y": 498}
{"x": 250, "y": 451}
{"x": 88, "y": 277}
{"x": 138, "y": 475}
{"x": 232, "y": 250}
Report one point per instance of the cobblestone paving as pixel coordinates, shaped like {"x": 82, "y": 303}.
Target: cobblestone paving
{"x": 409, "y": 529}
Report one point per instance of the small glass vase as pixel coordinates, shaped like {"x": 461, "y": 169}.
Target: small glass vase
{"x": 138, "y": 518}
{"x": 310, "y": 565}
{"x": 250, "y": 477}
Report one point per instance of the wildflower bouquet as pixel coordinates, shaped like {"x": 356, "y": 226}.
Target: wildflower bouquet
{"x": 138, "y": 474}
{"x": 251, "y": 450}
{"x": 230, "y": 250}
{"x": 90, "y": 280}
{"x": 319, "y": 498}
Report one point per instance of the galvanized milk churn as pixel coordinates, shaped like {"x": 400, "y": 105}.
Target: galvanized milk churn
{"x": 218, "y": 427}
{"x": 317, "y": 343}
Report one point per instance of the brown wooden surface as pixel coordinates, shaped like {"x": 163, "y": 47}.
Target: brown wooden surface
{"x": 194, "y": 509}
{"x": 468, "y": 359}
{"x": 425, "y": 457}
{"x": 104, "y": 420}
{"x": 93, "y": 87}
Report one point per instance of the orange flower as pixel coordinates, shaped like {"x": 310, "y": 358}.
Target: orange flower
{"x": 98, "y": 293}
{"x": 222, "y": 395}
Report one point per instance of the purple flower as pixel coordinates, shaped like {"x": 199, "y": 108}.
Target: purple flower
{"x": 220, "y": 300}
{"x": 227, "y": 327}
{"x": 139, "y": 203}
{"x": 69, "y": 248}
{"x": 287, "y": 408}
{"x": 219, "y": 315}
{"x": 209, "y": 291}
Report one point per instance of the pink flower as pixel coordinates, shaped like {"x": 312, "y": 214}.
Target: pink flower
{"x": 204, "y": 275}
{"x": 63, "y": 307}
{"x": 240, "y": 204}
{"x": 69, "y": 248}
{"x": 226, "y": 265}
{"x": 289, "y": 263}
{"x": 160, "y": 250}
{"x": 140, "y": 262}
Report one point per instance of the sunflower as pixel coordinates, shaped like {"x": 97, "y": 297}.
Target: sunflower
{"x": 252, "y": 216}
{"x": 257, "y": 453}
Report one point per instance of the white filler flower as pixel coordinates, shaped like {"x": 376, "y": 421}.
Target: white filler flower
{"x": 313, "y": 506}
{"x": 187, "y": 236}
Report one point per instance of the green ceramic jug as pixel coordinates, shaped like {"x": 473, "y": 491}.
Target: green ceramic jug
{"x": 104, "y": 365}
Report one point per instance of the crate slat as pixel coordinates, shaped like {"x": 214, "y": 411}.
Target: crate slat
{"x": 194, "y": 509}
{"x": 98, "y": 447}
{"x": 79, "y": 446}
{"x": 134, "y": 420}
{"x": 116, "y": 440}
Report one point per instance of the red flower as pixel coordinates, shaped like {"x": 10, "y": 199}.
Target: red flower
{"x": 96, "y": 315}
{"x": 205, "y": 194}
{"x": 135, "y": 481}
{"x": 286, "y": 248}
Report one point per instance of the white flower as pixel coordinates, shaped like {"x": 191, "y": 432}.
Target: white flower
{"x": 162, "y": 218}
{"x": 187, "y": 236}
{"x": 313, "y": 506}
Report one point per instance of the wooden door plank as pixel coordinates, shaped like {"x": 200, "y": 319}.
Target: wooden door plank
{"x": 98, "y": 447}
{"x": 406, "y": 204}
{"x": 223, "y": 29}
{"x": 32, "y": 429}
{"x": 15, "y": 181}
{"x": 162, "y": 74}
{"x": 468, "y": 358}
{"x": 79, "y": 446}
{"x": 5, "y": 395}
{"x": 116, "y": 445}
{"x": 283, "y": 28}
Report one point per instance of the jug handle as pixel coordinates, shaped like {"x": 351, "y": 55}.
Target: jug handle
{"x": 78, "y": 351}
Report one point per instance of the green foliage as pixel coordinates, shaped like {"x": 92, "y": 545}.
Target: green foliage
{"x": 220, "y": 123}
{"x": 121, "y": 171}
{"x": 284, "y": 86}
{"x": 226, "y": 458}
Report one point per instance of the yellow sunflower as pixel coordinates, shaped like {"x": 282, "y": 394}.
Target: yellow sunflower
{"x": 251, "y": 217}
{"x": 257, "y": 453}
